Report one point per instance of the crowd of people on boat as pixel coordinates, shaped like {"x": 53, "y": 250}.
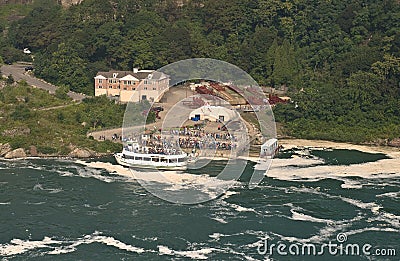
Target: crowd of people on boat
{"x": 155, "y": 150}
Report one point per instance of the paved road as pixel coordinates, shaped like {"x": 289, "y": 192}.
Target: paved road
{"x": 18, "y": 72}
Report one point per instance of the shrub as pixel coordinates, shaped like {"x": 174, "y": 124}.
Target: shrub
{"x": 46, "y": 150}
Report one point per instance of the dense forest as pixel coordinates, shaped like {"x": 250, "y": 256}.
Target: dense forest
{"x": 340, "y": 59}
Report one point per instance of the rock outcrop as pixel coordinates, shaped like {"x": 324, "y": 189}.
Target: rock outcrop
{"x": 81, "y": 153}
{"x": 68, "y": 3}
{"x": 15, "y": 154}
{"x": 395, "y": 142}
{"x": 4, "y": 149}
{"x": 33, "y": 151}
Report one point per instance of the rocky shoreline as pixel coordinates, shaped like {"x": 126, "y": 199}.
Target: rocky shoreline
{"x": 6, "y": 152}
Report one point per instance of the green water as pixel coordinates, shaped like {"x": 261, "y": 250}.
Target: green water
{"x": 58, "y": 209}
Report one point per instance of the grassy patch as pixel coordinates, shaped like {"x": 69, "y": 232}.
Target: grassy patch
{"x": 32, "y": 116}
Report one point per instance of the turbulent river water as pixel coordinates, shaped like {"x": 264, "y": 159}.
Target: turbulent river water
{"x": 73, "y": 210}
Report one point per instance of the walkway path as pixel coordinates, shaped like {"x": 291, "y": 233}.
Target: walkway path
{"x": 18, "y": 72}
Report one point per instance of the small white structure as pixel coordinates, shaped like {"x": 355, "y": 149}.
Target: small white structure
{"x": 27, "y": 51}
{"x": 269, "y": 148}
{"x": 213, "y": 113}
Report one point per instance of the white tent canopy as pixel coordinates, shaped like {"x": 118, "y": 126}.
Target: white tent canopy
{"x": 214, "y": 113}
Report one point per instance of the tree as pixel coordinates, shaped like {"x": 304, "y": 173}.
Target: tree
{"x": 285, "y": 66}
{"x": 10, "y": 79}
{"x": 62, "y": 92}
{"x": 364, "y": 88}
{"x": 64, "y": 67}
{"x": 21, "y": 112}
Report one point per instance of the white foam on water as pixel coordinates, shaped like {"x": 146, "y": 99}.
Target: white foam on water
{"x": 376, "y": 209}
{"x": 350, "y": 184}
{"x": 65, "y": 173}
{"x": 330, "y": 232}
{"x": 304, "y": 217}
{"x": 51, "y": 191}
{"x": 389, "y": 195}
{"x": 369, "y": 229}
{"x": 93, "y": 173}
{"x": 55, "y": 191}
{"x": 216, "y": 236}
{"x": 242, "y": 209}
{"x": 389, "y": 218}
{"x": 323, "y": 235}
{"x": 38, "y": 187}
{"x": 283, "y": 169}
{"x": 18, "y": 246}
{"x": 110, "y": 241}
{"x": 363, "y": 205}
{"x": 178, "y": 181}
{"x": 150, "y": 239}
{"x": 220, "y": 220}
{"x": 295, "y": 161}
{"x": 57, "y": 247}
{"x": 229, "y": 194}
{"x": 35, "y": 203}
{"x": 193, "y": 254}
{"x": 5, "y": 203}
{"x": 168, "y": 177}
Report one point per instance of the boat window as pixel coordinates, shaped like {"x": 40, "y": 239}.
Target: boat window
{"x": 181, "y": 159}
{"x": 138, "y": 158}
{"x": 146, "y": 159}
{"x": 164, "y": 160}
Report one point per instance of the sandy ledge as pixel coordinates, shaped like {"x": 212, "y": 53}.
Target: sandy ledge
{"x": 385, "y": 168}
{"x": 292, "y": 143}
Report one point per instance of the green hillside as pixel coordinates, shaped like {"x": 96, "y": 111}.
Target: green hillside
{"x": 339, "y": 59}
{"x": 55, "y": 126}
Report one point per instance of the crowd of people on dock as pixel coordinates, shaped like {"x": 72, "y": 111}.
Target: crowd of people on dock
{"x": 171, "y": 142}
{"x": 201, "y": 133}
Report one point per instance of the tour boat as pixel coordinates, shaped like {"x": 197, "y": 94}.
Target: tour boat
{"x": 134, "y": 156}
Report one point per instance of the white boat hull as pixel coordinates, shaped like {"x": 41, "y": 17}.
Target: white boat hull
{"x": 149, "y": 165}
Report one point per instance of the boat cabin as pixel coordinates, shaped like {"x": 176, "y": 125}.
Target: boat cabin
{"x": 269, "y": 148}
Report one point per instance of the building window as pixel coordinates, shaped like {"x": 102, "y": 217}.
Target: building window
{"x": 100, "y": 87}
{"x": 134, "y": 89}
{"x": 119, "y": 87}
{"x": 125, "y": 88}
{"x": 115, "y": 75}
{"x": 110, "y": 87}
{"x": 145, "y": 81}
{"x": 129, "y": 83}
{"x": 109, "y": 81}
{"x": 145, "y": 88}
{"x": 100, "y": 80}
{"x": 154, "y": 88}
{"x": 125, "y": 82}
